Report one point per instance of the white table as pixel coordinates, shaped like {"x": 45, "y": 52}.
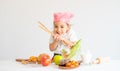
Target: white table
{"x": 16, "y": 66}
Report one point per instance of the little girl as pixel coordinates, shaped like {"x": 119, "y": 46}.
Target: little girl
{"x": 64, "y": 37}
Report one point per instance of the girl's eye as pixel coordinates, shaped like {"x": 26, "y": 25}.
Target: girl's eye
{"x": 62, "y": 27}
{"x": 56, "y": 26}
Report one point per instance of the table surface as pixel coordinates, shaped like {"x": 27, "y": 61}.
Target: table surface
{"x": 10, "y": 65}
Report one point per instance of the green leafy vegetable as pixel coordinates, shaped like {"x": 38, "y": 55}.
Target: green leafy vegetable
{"x": 74, "y": 49}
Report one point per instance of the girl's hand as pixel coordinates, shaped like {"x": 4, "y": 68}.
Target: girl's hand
{"x": 55, "y": 37}
{"x": 58, "y": 37}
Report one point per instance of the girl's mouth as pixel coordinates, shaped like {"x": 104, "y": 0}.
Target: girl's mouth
{"x": 58, "y": 33}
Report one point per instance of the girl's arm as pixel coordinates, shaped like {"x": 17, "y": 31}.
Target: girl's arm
{"x": 53, "y": 45}
{"x": 67, "y": 42}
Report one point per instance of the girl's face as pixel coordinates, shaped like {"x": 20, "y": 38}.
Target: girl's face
{"x": 60, "y": 28}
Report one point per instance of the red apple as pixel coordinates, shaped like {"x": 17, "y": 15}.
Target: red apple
{"x": 41, "y": 56}
{"x": 45, "y": 61}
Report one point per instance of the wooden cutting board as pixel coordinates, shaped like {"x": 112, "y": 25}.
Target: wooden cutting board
{"x": 20, "y": 60}
{"x": 64, "y": 67}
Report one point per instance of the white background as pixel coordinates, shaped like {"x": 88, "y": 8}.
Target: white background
{"x": 97, "y": 23}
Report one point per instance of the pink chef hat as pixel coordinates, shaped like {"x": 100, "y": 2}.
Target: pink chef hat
{"x": 62, "y": 16}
